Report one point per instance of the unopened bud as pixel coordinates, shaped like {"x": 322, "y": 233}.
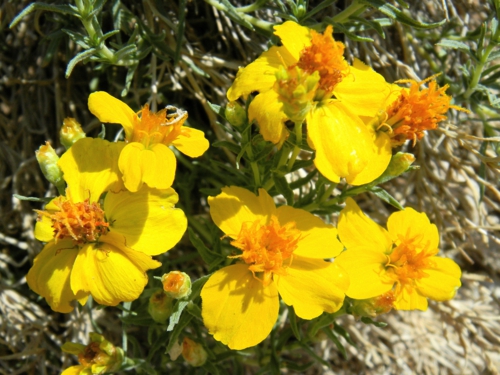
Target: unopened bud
{"x": 372, "y": 307}
{"x": 160, "y": 306}
{"x": 176, "y": 284}
{"x": 47, "y": 159}
{"x": 98, "y": 357}
{"x": 235, "y": 114}
{"x": 399, "y": 164}
{"x": 193, "y": 353}
{"x": 71, "y": 132}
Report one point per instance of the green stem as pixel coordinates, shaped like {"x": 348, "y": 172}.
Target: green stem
{"x": 263, "y": 25}
{"x": 343, "y": 16}
{"x": 125, "y": 312}
{"x": 296, "y": 148}
{"x": 95, "y": 35}
{"x": 481, "y": 65}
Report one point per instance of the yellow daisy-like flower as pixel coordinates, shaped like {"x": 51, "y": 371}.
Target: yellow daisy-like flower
{"x": 103, "y": 250}
{"x": 401, "y": 259}
{"x": 282, "y": 253}
{"x": 308, "y": 78}
{"x": 413, "y": 111}
{"x": 147, "y": 157}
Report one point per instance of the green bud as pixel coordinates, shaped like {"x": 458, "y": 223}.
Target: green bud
{"x": 193, "y": 353}
{"x": 47, "y": 159}
{"x": 160, "y": 306}
{"x": 372, "y": 307}
{"x": 71, "y": 132}
{"x": 176, "y": 284}
{"x": 235, "y": 114}
{"x": 399, "y": 164}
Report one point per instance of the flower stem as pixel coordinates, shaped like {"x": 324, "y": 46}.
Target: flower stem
{"x": 296, "y": 148}
{"x": 343, "y": 16}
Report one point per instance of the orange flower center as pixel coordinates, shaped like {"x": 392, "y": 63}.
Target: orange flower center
{"x": 384, "y": 303}
{"x": 416, "y": 110}
{"x": 173, "y": 282}
{"x": 326, "y": 56}
{"x": 82, "y": 221}
{"x": 161, "y": 127}
{"x": 266, "y": 247}
{"x": 408, "y": 263}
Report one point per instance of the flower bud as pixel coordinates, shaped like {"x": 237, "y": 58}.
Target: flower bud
{"x": 98, "y": 357}
{"x": 400, "y": 162}
{"x": 47, "y": 159}
{"x": 235, "y": 114}
{"x": 372, "y": 307}
{"x": 193, "y": 353}
{"x": 71, "y": 132}
{"x": 160, "y": 306}
{"x": 176, "y": 284}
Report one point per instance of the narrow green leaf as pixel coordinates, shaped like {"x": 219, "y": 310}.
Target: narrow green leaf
{"x": 206, "y": 254}
{"x": 235, "y": 16}
{"x": 32, "y": 199}
{"x": 293, "y": 323}
{"x": 64, "y": 9}
{"x": 233, "y": 147}
{"x": 217, "y": 109}
{"x": 454, "y": 44}
{"x": 82, "y": 56}
{"x": 180, "y": 29}
{"x": 80, "y": 39}
{"x": 128, "y": 79}
{"x": 183, "y": 322}
{"x": 284, "y": 188}
{"x": 367, "y": 320}
{"x": 386, "y": 197}
{"x": 176, "y": 315}
{"x": 336, "y": 341}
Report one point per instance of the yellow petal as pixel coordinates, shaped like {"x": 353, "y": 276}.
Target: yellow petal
{"x": 191, "y": 142}
{"x": 293, "y": 37}
{"x": 237, "y": 310}
{"x": 364, "y": 91}
{"x": 146, "y": 221}
{"x": 312, "y": 287}
{"x": 73, "y": 370}
{"x": 443, "y": 280}
{"x": 380, "y": 158}
{"x": 267, "y": 110}
{"x": 43, "y": 229}
{"x": 410, "y": 299}
{"x": 235, "y": 205}
{"x": 107, "y": 108}
{"x": 154, "y": 166}
{"x": 318, "y": 239}
{"x": 260, "y": 74}
{"x": 111, "y": 274}
{"x": 410, "y": 224}
{"x": 343, "y": 143}
{"x": 357, "y": 229}
{"x": 50, "y": 275}
{"x": 90, "y": 168}
{"x": 365, "y": 267}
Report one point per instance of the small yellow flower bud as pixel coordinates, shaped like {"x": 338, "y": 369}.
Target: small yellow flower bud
{"x": 98, "y": 357}
{"x": 160, "y": 306}
{"x": 71, "y": 132}
{"x": 47, "y": 159}
{"x": 235, "y": 114}
{"x": 193, "y": 353}
{"x": 176, "y": 284}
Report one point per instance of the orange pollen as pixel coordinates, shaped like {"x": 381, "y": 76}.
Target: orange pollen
{"x": 326, "y": 56}
{"x": 163, "y": 126}
{"x": 416, "y": 110}
{"x": 407, "y": 263}
{"x": 266, "y": 247}
{"x": 173, "y": 282}
{"x": 82, "y": 221}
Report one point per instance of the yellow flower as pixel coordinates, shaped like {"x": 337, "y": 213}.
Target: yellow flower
{"x": 282, "y": 252}
{"x": 147, "y": 157}
{"x": 308, "y": 78}
{"x": 401, "y": 259}
{"x": 413, "y": 111}
{"x": 98, "y": 357}
{"x": 103, "y": 250}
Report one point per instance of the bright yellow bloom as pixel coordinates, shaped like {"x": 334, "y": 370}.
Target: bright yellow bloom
{"x": 308, "y": 78}
{"x": 98, "y": 357}
{"x": 413, "y": 111}
{"x": 103, "y": 250}
{"x": 282, "y": 252}
{"x": 147, "y": 157}
{"x": 401, "y": 259}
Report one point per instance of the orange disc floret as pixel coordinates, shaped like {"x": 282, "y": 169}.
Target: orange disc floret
{"x": 266, "y": 247}
{"x": 326, "y": 56}
{"x": 416, "y": 110}
{"x": 82, "y": 221}
{"x": 158, "y": 127}
{"x": 408, "y": 263}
